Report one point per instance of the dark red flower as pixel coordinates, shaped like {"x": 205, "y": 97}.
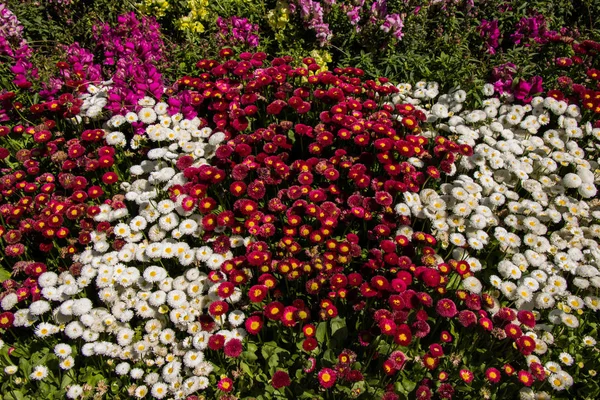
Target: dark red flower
{"x": 526, "y": 318}
{"x": 423, "y": 393}
{"x": 526, "y": 345}
{"x": 280, "y": 379}
{"x": 225, "y": 384}
{"x": 445, "y": 391}
{"x": 274, "y": 310}
{"x": 403, "y": 335}
{"x": 233, "y": 348}
{"x": 216, "y": 342}
{"x": 218, "y": 308}
{"x": 6, "y": 320}
{"x": 309, "y": 344}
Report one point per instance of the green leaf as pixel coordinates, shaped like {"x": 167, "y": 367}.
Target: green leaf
{"x": 249, "y": 356}
{"x": 250, "y": 353}
{"x": 262, "y": 378}
{"x": 273, "y": 361}
{"x": 329, "y": 355}
{"x": 246, "y": 368}
{"x": 339, "y": 330}
{"x": 408, "y": 384}
{"x": 310, "y": 394}
{"x": 66, "y": 381}
{"x": 321, "y": 331}
{"x": 14, "y": 395}
{"x": 4, "y": 274}
{"x": 398, "y": 387}
{"x": 268, "y": 349}
{"x": 292, "y": 136}
{"x": 336, "y": 324}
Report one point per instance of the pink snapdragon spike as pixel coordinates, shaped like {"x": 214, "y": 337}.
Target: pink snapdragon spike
{"x": 135, "y": 48}
{"x": 237, "y": 31}
{"x": 14, "y": 46}
{"x": 489, "y": 30}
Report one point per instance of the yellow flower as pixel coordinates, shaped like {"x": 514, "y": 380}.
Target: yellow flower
{"x": 155, "y": 8}
{"x": 280, "y": 16}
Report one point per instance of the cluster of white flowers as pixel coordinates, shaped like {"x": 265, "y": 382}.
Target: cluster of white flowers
{"x": 524, "y": 196}
{"x": 94, "y": 101}
{"x": 155, "y": 288}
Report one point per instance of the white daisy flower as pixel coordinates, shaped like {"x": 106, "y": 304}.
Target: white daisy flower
{"x": 147, "y": 115}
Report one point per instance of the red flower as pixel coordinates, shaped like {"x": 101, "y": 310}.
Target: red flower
{"x": 398, "y": 359}
{"x": 410, "y": 122}
{"x": 327, "y": 377}
{"x": 254, "y": 324}
{"x": 233, "y": 348}
{"x": 525, "y": 378}
{"x": 387, "y": 326}
{"x": 423, "y": 393}
{"x": 256, "y": 190}
{"x": 403, "y": 335}
{"x": 538, "y": 371}
{"x": 276, "y": 107}
{"x": 288, "y": 317}
{"x": 110, "y": 178}
{"x": 218, "y": 308}
{"x": 446, "y": 308}
{"x": 309, "y": 344}
{"x": 431, "y": 277}
{"x": 508, "y": 369}
{"x": 526, "y": 318}
{"x": 446, "y": 391}
{"x": 355, "y": 376}
{"x": 274, "y": 310}
{"x": 467, "y": 318}
{"x": 6, "y": 320}
{"x": 388, "y": 367}
{"x": 513, "y": 331}
{"x": 14, "y": 250}
{"x": 436, "y": 350}
{"x": 526, "y": 345}
{"x": 492, "y": 375}
{"x": 355, "y": 279}
{"x": 380, "y": 282}
{"x": 280, "y": 379}
{"x": 225, "y": 290}
{"x": 446, "y": 337}
{"x": 466, "y": 375}
{"x": 216, "y": 342}
{"x": 225, "y": 384}
{"x": 486, "y": 324}
{"x": 430, "y": 361}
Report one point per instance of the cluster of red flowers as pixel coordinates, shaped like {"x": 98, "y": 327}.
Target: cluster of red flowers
{"x": 312, "y": 165}
{"x": 580, "y": 83}
{"x": 53, "y": 179}
{"x": 57, "y": 205}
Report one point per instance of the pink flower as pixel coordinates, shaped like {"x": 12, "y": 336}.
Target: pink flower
{"x": 446, "y": 308}
{"x": 327, "y": 377}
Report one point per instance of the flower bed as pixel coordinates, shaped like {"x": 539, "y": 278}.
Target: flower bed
{"x": 270, "y": 227}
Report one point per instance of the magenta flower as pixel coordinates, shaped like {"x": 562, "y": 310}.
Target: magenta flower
{"x": 489, "y": 30}
{"x": 525, "y": 90}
